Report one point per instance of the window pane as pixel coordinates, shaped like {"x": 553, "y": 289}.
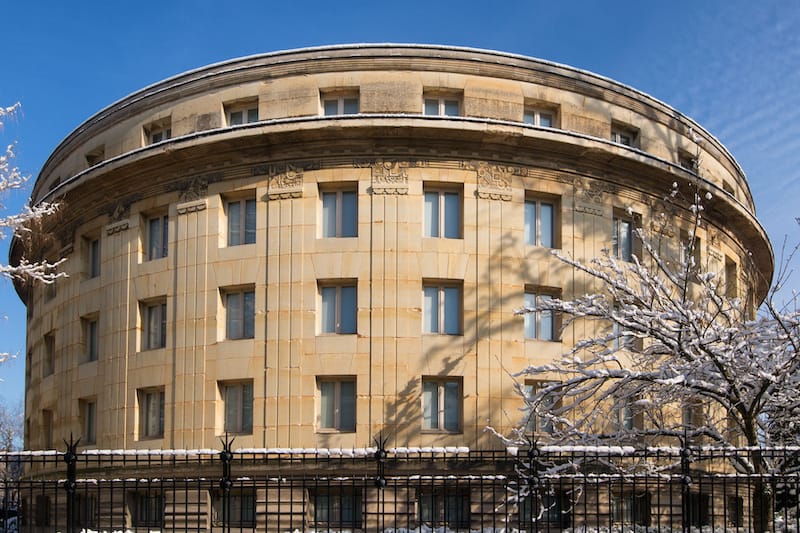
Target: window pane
{"x": 546, "y": 225}
{"x": 233, "y": 402}
{"x": 452, "y": 405}
{"x": 427, "y": 508}
{"x": 236, "y": 118}
{"x": 154, "y": 238}
{"x": 430, "y": 310}
{"x": 328, "y": 310}
{"x": 625, "y": 240}
{"x": 452, "y": 310}
{"x": 530, "y": 318}
{"x": 430, "y": 405}
{"x": 233, "y": 307}
{"x": 234, "y": 223}
{"x": 252, "y": 115}
{"x": 164, "y": 237}
{"x": 452, "y": 215}
{"x": 248, "y": 321}
{"x": 349, "y": 214}
{"x": 347, "y": 410}
{"x": 529, "y": 117}
{"x": 331, "y": 107}
{"x": 350, "y": 106}
{"x": 327, "y": 405}
{"x": 546, "y": 120}
{"x": 530, "y": 223}
{"x": 431, "y": 214}
{"x": 546, "y": 322}
{"x": 348, "y": 310}
{"x": 329, "y": 214}
{"x": 451, "y": 108}
{"x": 250, "y": 222}
{"x": 153, "y": 326}
{"x": 431, "y": 106}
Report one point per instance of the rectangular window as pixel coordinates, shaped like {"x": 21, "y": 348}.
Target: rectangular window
{"x": 91, "y": 338}
{"x": 49, "y": 360}
{"x": 441, "y": 404}
{"x": 540, "y": 223}
{"x": 88, "y": 421}
{"x": 154, "y": 330}
{"x": 545, "y": 508}
{"x": 623, "y": 134}
{"x": 338, "y": 306}
{"x": 337, "y": 404}
{"x": 442, "y": 105}
{"x": 539, "y": 417}
{"x": 339, "y": 103}
{"x": 151, "y": 413}
{"x": 157, "y": 237}
{"x": 147, "y": 508}
{"x": 243, "y": 113}
{"x": 697, "y": 508}
{"x": 337, "y": 508}
{"x": 540, "y": 324}
{"x": 731, "y": 278}
{"x": 47, "y": 429}
{"x": 442, "y": 212}
{"x": 442, "y": 307}
{"x": 735, "y": 511}
{"x": 158, "y": 131}
{"x": 339, "y": 213}
{"x": 41, "y": 517}
{"x": 622, "y": 238}
{"x": 92, "y": 257}
{"x": 241, "y": 221}
{"x": 84, "y": 515}
{"x": 631, "y": 508}
{"x": 236, "y": 509}
{"x": 444, "y": 507}
{"x": 544, "y": 118}
{"x": 627, "y": 416}
{"x": 238, "y": 401}
{"x": 240, "y": 311}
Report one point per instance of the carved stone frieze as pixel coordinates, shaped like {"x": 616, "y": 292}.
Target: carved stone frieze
{"x": 121, "y": 211}
{"x": 285, "y": 180}
{"x": 191, "y": 207}
{"x": 118, "y": 226}
{"x": 194, "y": 189}
{"x": 389, "y": 176}
{"x": 494, "y": 181}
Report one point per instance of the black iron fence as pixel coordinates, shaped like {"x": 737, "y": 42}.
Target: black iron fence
{"x": 400, "y": 490}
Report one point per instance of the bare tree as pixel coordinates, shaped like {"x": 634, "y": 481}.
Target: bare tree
{"x": 674, "y": 360}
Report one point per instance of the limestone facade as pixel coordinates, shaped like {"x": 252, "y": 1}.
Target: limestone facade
{"x": 317, "y": 247}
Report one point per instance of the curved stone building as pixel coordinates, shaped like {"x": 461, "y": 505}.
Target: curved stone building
{"x": 317, "y": 247}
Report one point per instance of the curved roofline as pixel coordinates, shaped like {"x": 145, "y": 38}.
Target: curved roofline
{"x": 217, "y": 68}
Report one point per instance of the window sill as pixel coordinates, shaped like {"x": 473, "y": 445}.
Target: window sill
{"x": 334, "y": 431}
{"x": 441, "y": 432}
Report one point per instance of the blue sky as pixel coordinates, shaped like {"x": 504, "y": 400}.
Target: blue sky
{"x": 733, "y": 65}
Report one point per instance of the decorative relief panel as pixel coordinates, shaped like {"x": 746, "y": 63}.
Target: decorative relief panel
{"x": 494, "y": 181}
{"x": 388, "y": 176}
{"x": 285, "y": 180}
{"x": 193, "y": 195}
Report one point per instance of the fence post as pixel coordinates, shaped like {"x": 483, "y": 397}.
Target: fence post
{"x": 225, "y": 482}
{"x": 686, "y": 482}
{"x": 71, "y": 458}
{"x": 380, "y": 460}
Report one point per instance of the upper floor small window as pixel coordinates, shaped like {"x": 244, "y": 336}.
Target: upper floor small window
{"x": 88, "y": 409}
{"x": 442, "y": 213}
{"x": 240, "y": 314}
{"x": 442, "y": 307}
{"x": 154, "y": 327}
{"x": 540, "y": 324}
{"x": 158, "y": 131}
{"x": 96, "y": 156}
{"x": 338, "y": 307}
{"x": 541, "y": 222}
{"x": 542, "y": 117}
{"x": 339, "y": 213}
{"x": 337, "y": 403}
{"x": 241, "y": 221}
{"x": 91, "y": 338}
{"x": 624, "y": 244}
{"x": 157, "y": 237}
{"x": 151, "y": 413}
{"x": 237, "y": 400}
{"x": 241, "y": 112}
{"x": 49, "y": 359}
{"x": 92, "y": 256}
{"x": 339, "y": 103}
{"x": 540, "y": 419}
{"x": 623, "y": 134}
{"x": 443, "y": 105}
{"x": 441, "y": 404}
